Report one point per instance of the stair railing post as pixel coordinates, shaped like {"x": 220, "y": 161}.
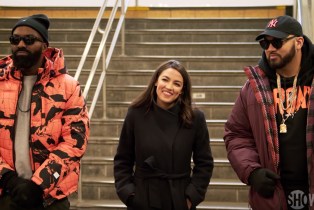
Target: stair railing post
{"x": 104, "y": 89}
{"x": 297, "y": 10}
{"x": 310, "y": 18}
{"x": 123, "y": 29}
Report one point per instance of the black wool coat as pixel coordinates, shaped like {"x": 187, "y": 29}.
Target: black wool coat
{"x": 161, "y": 151}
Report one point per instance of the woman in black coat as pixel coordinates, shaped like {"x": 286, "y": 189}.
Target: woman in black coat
{"x": 160, "y": 134}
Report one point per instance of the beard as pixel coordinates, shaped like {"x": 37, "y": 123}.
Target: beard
{"x": 283, "y": 60}
{"x": 24, "y": 62}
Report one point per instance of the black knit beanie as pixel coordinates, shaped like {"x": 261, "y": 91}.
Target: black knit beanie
{"x": 38, "y": 22}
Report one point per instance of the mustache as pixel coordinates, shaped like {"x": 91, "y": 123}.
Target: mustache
{"x": 274, "y": 54}
{"x": 23, "y": 49}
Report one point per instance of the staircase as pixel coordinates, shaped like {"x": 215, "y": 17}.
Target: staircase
{"x": 214, "y": 50}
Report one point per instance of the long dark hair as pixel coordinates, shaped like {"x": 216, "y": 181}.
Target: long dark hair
{"x": 147, "y": 97}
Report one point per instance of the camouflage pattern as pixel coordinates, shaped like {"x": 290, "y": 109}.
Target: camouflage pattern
{"x": 59, "y": 126}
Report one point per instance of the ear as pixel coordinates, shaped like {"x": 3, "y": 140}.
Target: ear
{"x": 300, "y": 41}
{"x": 44, "y": 47}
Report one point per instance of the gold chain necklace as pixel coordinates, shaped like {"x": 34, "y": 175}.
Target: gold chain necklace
{"x": 290, "y": 103}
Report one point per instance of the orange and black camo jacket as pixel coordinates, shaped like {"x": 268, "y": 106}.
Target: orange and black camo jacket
{"x": 59, "y": 125}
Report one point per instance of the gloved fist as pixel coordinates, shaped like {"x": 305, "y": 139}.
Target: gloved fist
{"x": 10, "y": 180}
{"x": 130, "y": 200}
{"x": 263, "y": 181}
{"x": 27, "y": 194}
{"x": 24, "y": 192}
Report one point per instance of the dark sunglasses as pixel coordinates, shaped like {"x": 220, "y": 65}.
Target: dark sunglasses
{"x": 276, "y": 42}
{"x": 28, "y": 40}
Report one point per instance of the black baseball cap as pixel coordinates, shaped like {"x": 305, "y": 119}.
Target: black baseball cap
{"x": 281, "y": 27}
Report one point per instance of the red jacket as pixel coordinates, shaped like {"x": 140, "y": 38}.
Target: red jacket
{"x": 59, "y": 125}
{"x": 251, "y": 137}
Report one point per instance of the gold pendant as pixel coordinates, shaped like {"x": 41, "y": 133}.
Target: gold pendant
{"x": 283, "y": 128}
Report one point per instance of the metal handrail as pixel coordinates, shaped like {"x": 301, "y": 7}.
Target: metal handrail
{"x": 298, "y": 11}
{"x": 107, "y": 60}
{"x": 100, "y": 52}
{"x": 101, "y": 47}
{"x": 303, "y": 13}
{"x": 90, "y": 40}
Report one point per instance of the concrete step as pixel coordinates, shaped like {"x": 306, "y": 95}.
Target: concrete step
{"x": 103, "y": 167}
{"x": 200, "y": 93}
{"x": 149, "y": 62}
{"x": 190, "y": 62}
{"x": 118, "y": 205}
{"x": 196, "y": 23}
{"x": 153, "y": 23}
{"x": 165, "y": 48}
{"x": 142, "y": 77}
{"x": 193, "y": 48}
{"x": 112, "y": 127}
{"x": 209, "y": 62}
{"x": 99, "y": 146}
{"x": 219, "y": 190}
{"x": 212, "y": 110}
{"x": 117, "y": 109}
{"x": 55, "y": 23}
{"x": 192, "y": 35}
{"x": 151, "y": 35}
{"x": 168, "y": 48}
{"x": 217, "y": 101}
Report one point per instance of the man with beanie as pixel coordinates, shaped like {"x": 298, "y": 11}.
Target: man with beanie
{"x": 44, "y": 123}
{"x": 269, "y": 134}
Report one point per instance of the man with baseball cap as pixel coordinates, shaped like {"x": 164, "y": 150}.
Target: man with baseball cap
{"x": 269, "y": 134}
{"x": 44, "y": 122}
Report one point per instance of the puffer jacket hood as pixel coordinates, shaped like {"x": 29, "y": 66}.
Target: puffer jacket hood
{"x": 54, "y": 65}
{"x": 307, "y": 64}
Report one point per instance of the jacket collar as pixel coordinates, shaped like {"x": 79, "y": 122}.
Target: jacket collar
{"x": 54, "y": 66}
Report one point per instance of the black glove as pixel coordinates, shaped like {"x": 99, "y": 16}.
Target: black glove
{"x": 130, "y": 200}
{"x": 27, "y": 194}
{"x": 263, "y": 181}
{"x": 24, "y": 192}
{"x": 9, "y": 180}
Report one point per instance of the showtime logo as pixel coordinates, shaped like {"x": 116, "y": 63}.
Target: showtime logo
{"x": 297, "y": 199}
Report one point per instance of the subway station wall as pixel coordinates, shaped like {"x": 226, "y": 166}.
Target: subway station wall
{"x": 147, "y": 3}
